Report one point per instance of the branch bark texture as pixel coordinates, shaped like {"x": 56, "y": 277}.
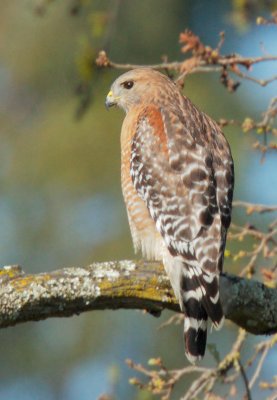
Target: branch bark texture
{"x": 123, "y": 284}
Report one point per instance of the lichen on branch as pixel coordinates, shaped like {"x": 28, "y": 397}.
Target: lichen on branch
{"x": 123, "y": 284}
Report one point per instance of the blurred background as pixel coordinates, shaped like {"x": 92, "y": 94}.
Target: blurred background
{"x": 60, "y": 197}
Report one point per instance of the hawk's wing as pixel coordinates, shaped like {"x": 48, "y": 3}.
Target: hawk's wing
{"x": 185, "y": 177}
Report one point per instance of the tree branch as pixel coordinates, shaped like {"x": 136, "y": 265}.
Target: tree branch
{"x": 251, "y": 207}
{"x": 123, "y": 284}
{"x": 104, "y": 61}
{"x": 199, "y": 63}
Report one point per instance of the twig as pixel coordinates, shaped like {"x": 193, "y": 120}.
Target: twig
{"x": 177, "y": 65}
{"x": 259, "y": 367}
{"x": 251, "y": 208}
{"x": 245, "y": 380}
{"x": 261, "y": 82}
{"x": 202, "y": 65}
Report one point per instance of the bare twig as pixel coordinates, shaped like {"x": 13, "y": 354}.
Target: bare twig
{"x": 245, "y": 380}
{"x": 264, "y": 350}
{"x": 177, "y": 65}
{"x": 202, "y": 65}
{"x": 251, "y": 208}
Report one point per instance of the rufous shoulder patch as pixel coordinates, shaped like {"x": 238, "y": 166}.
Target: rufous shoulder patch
{"x": 155, "y": 119}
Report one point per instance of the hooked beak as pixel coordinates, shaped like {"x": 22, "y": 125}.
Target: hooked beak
{"x": 110, "y": 100}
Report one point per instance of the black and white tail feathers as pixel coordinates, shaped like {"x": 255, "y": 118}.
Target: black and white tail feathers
{"x": 200, "y": 300}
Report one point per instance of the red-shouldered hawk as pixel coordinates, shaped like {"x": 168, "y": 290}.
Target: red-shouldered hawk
{"x": 177, "y": 181}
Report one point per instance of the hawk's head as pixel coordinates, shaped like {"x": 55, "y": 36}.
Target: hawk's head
{"x": 139, "y": 86}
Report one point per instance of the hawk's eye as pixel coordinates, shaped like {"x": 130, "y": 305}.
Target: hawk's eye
{"x": 128, "y": 84}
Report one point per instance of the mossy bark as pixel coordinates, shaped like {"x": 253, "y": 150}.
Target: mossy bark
{"x": 123, "y": 284}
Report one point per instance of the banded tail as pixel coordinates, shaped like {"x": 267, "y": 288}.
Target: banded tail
{"x": 200, "y": 300}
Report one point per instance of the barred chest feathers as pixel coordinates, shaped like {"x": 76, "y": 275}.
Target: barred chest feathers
{"x": 143, "y": 230}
